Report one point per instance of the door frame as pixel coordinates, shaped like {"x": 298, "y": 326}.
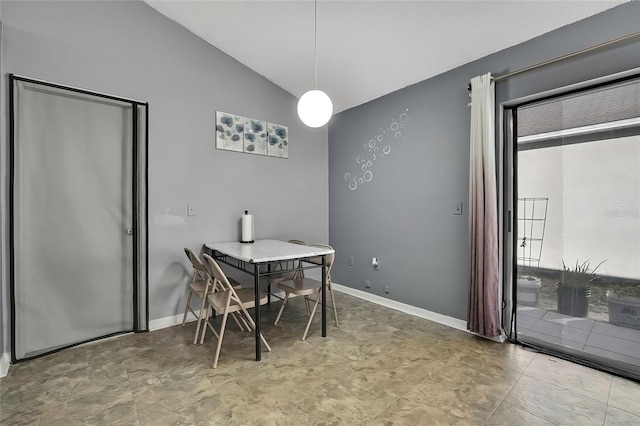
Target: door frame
{"x": 140, "y": 201}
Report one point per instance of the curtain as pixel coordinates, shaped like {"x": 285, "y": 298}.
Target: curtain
{"x": 483, "y": 311}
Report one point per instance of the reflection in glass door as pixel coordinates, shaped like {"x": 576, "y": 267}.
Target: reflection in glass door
{"x": 576, "y": 225}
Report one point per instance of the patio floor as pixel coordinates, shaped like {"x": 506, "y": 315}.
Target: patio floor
{"x": 595, "y": 337}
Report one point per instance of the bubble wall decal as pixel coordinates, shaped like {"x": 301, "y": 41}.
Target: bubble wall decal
{"x": 362, "y": 172}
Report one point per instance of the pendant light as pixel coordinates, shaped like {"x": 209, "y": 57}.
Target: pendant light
{"x": 315, "y": 107}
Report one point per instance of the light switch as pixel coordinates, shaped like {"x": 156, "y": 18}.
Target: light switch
{"x": 191, "y": 211}
{"x": 458, "y": 210}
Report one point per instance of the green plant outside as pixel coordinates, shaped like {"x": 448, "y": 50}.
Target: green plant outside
{"x": 579, "y": 275}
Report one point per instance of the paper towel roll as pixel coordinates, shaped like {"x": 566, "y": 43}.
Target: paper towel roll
{"x": 247, "y": 228}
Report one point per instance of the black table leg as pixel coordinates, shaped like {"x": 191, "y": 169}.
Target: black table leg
{"x": 256, "y": 275}
{"x": 269, "y": 285}
{"x": 324, "y": 296}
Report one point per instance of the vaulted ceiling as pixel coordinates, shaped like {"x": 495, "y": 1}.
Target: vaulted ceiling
{"x": 366, "y": 49}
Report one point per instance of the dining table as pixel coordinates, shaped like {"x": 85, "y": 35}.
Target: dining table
{"x": 259, "y": 259}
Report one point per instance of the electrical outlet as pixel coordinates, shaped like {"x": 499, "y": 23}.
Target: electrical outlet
{"x": 387, "y": 289}
{"x": 350, "y": 260}
{"x": 367, "y": 284}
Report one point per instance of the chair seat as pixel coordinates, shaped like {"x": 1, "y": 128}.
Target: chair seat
{"x": 277, "y": 278}
{"x": 198, "y": 287}
{"x": 301, "y": 286}
{"x": 218, "y": 299}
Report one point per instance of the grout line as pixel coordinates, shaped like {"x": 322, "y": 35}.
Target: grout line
{"x": 505, "y": 396}
{"x": 606, "y": 408}
{"x": 614, "y": 336}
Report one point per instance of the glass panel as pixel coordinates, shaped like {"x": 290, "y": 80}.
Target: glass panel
{"x": 578, "y": 225}
{"x": 72, "y": 208}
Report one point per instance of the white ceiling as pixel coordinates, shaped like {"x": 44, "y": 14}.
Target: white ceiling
{"x": 367, "y": 49}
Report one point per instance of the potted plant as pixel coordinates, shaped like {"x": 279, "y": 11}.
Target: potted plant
{"x": 573, "y": 289}
{"x": 624, "y": 306}
{"x": 527, "y": 286}
{"x": 528, "y": 290}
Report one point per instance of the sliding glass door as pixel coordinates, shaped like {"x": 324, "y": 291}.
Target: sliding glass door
{"x": 574, "y": 204}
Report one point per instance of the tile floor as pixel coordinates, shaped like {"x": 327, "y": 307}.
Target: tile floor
{"x": 381, "y": 367}
{"x": 596, "y": 337}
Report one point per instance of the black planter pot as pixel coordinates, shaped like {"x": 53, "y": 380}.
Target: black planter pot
{"x": 573, "y": 301}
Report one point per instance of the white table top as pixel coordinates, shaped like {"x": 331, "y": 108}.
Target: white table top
{"x": 267, "y": 250}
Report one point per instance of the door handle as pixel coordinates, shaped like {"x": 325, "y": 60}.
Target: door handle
{"x": 130, "y": 231}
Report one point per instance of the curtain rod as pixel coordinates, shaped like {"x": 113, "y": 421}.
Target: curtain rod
{"x": 563, "y": 57}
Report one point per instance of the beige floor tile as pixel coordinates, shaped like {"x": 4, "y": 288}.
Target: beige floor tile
{"x": 582, "y": 380}
{"x": 506, "y": 415}
{"x": 405, "y": 413}
{"x": 625, "y": 395}
{"x": 381, "y": 367}
{"x": 121, "y": 412}
{"x": 468, "y": 393}
{"x": 554, "y": 404}
{"x": 616, "y": 417}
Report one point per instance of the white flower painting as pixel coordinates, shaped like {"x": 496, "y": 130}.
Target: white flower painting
{"x": 255, "y": 136}
{"x": 277, "y": 140}
{"x": 243, "y": 134}
{"x": 229, "y": 131}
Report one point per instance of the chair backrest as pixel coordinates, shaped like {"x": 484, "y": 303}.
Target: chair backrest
{"x": 218, "y": 275}
{"x": 328, "y": 258}
{"x": 198, "y": 266}
{"x": 287, "y": 264}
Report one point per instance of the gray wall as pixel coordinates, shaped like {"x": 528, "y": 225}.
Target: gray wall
{"x": 405, "y": 214}
{"x": 129, "y": 49}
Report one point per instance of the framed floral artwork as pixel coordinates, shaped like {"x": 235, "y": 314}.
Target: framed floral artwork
{"x": 277, "y": 140}
{"x": 243, "y": 134}
{"x": 229, "y": 131}
{"x": 255, "y": 136}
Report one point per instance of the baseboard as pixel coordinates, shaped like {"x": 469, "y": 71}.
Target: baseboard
{"x": 5, "y": 362}
{"x": 452, "y": 322}
{"x": 165, "y": 322}
{"x": 403, "y": 307}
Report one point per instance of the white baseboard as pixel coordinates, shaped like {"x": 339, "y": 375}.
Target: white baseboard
{"x": 165, "y": 322}
{"x": 403, "y": 307}
{"x": 5, "y": 361}
{"x": 452, "y": 322}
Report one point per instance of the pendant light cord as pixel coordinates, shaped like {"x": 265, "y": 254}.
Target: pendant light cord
{"x": 315, "y": 37}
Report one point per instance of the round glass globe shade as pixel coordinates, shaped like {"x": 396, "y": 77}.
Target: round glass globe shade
{"x": 315, "y": 108}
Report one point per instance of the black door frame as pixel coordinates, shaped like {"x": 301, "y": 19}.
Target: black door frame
{"x": 139, "y": 213}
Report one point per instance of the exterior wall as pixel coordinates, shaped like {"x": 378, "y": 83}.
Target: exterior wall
{"x": 594, "y": 203}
